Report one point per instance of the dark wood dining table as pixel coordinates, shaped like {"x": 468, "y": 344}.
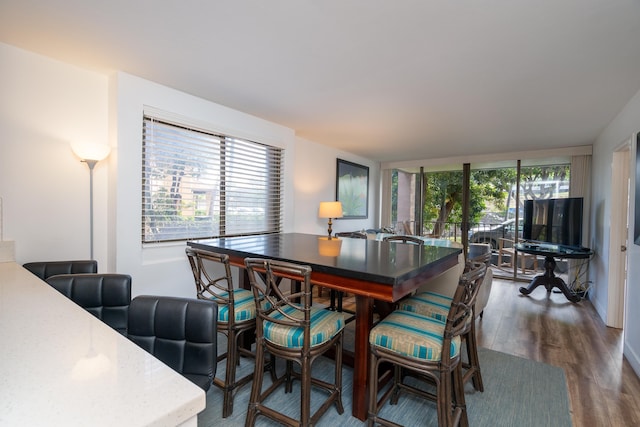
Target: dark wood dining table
{"x": 370, "y": 269}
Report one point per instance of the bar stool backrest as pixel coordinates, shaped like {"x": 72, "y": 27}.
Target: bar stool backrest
{"x": 46, "y": 269}
{"x": 106, "y": 296}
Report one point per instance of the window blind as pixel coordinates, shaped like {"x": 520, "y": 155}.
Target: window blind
{"x": 198, "y": 184}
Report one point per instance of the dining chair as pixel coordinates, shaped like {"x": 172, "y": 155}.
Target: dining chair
{"x": 290, "y": 328}
{"x": 482, "y": 252}
{"x": 236, "y": 316}
{"x": 45, "y": 269}
{"x": 422, "y": 347}
{"x": 106, "y": 296}
{"x": 506, "y": 248}
{"x": 438, "y": 307}
{"x": 181, "y": 332}
{"x": 352, "y": 234}
{"x": 404, "y": 239}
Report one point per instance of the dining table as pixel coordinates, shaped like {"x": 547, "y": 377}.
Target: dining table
{"x": 372, "y": 270}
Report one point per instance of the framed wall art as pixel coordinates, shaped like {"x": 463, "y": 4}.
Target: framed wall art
{"x": 352, "y": 189}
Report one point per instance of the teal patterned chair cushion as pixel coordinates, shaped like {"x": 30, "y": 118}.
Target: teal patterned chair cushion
{"x": 244, "y": 308}
{"x": 412, "y": 335}
{"x": 428, "y": 304}
{"x": 325, "y": 325}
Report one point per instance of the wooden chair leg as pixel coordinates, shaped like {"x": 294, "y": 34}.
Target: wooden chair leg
{"x": 373, "y": 391}
{"x": 230, "y": 375}
{"x": 256, "y": 387}
{"x": 305, "y": 389}
{"x": 458, "y": 395}
{"x": 332, "y": 299}
{"x": 338, "y": 376}
{"x": 474, "y": 361}
{"x": 444, "y": 402}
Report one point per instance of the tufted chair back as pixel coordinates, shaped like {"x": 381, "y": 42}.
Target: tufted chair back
{"x": 106, "y": 296}
{"x": 46, "y": 269}
{"x": 180, "y": 332}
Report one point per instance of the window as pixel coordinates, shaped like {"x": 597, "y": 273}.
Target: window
{"x": 198, "y": 184}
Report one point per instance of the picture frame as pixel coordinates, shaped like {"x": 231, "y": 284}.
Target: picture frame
{"x": 352, "y": 188}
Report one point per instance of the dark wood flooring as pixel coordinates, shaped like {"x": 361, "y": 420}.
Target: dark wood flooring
{"x": 603, "y": 389}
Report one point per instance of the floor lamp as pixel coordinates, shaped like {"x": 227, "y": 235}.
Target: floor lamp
{"x": 91, "y": 154}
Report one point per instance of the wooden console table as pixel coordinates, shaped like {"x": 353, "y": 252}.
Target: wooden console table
{"x": 548, "y": 278}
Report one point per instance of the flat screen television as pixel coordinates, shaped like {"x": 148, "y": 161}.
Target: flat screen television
{"x": 555, "y": 221}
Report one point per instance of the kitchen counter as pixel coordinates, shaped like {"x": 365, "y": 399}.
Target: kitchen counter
{"x": 60, "y": 365}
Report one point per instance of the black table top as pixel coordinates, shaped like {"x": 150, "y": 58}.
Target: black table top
{"x": 378, "y": 261}
{"x": 556, "y": 251}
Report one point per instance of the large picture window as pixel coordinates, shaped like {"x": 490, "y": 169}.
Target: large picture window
{"x": 198, "y": 184}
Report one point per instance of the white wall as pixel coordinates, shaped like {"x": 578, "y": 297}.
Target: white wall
{"x": 44, "y": 106}
{"x": 623, "y": 127}
{"x": 47, "y": 104}
{"x": 162, "y": 269}
{"x": 315, "y": 172}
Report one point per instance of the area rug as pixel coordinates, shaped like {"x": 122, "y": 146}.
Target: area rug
{"x": 518, "y": 392}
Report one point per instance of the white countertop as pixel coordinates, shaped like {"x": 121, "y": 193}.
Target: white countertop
{"x": 59, "y": 365}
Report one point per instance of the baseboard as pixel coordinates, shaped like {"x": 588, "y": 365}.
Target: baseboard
{"x": 633, "y": 358}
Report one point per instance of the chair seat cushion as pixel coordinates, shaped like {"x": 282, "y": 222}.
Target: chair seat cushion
{"x": 428, "y": 304}
{"x": 244, "y": 307}
{"x": 412, "y": 335}
{"x": 325, "y": 325}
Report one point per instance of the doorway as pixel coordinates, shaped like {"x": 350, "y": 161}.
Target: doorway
{"x": 618, "y": 237}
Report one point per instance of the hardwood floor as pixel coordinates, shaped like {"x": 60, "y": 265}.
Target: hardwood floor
{"x": 603, "y": 389}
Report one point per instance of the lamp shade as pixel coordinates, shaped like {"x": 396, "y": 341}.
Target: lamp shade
{"x": 330, "y": 210}
{"x": 90, "y": 151}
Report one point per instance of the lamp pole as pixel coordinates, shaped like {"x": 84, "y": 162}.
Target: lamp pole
{"x": 91, "y": 164}
{"x": 91, "y": 153}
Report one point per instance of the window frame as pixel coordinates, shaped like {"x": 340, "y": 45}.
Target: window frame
{"x": 255, "y": 192}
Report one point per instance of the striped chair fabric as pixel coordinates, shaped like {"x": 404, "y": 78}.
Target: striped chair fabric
{"x": 428, "y": 304}
{"x": 244, "y": 305}
{"x": 412, "y": 335}
{"x": 325, "y": 325}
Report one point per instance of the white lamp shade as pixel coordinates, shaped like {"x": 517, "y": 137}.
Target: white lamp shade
{"x": 330, "y": 210}
{"x": 90, "y": 151}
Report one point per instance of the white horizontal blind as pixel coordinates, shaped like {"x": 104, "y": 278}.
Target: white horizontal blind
{"x": 198, "y": 184}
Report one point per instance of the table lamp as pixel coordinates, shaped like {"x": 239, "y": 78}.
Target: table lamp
{"x": 330, "y": 210}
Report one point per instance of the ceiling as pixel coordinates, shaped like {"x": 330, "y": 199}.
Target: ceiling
{"x": 384, "y": 79}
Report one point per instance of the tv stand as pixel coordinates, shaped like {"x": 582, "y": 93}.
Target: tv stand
{"x": 548, "y": 278}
